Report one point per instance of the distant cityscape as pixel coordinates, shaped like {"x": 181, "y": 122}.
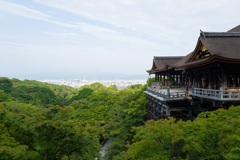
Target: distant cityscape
{"x": 76, "y": 83}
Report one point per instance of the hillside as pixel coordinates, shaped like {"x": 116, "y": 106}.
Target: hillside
{"x": 45, "y": 121}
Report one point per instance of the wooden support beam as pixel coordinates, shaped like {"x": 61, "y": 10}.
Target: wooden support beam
{"x": 224, "y": 79}
{"x": 210, "y": 80}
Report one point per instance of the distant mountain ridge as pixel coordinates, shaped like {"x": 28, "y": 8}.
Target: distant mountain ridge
{"x": 81, "y": 76}
{"x": 96, "y": 77}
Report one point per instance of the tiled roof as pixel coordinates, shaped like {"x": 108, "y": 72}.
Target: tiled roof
{"x": 183, "y": 60}
{"x": 235, "y": 29}
{"x": 223, "y": 47}
{"x": 219, "y": 34}
{"x": 163, "y": 63}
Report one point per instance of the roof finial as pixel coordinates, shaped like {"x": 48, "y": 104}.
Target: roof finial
{"x": 202, "y": 33}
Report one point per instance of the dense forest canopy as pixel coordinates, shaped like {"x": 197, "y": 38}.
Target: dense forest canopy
{"x": 212, "y": 135}
{"x": 45, "y": 121}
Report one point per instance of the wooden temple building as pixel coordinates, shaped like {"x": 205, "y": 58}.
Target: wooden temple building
{"x": 206, "y": 79}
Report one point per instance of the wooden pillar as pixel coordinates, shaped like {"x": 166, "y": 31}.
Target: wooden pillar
{"x": 195, "y": 79}
{"x": 209, "y": 80}
{"x": 190, "y": 113}
{"x": 234, "y": 79}
{"x": 161, "y": 111}
{"x": 167, "y": 80}
{"x": 198, "y": 79}
{"x": 177, "y": 79}
{"x": 181, "y": 80}
{"x": 160, "y": 78}
{"x": 214, "y": 80}
{"x": 189, "y": 82}
{"x": 203, "y": 78}
{"x": 224, "y": 79}
{"x": 170, "y": 80}
{"x": 189, "y": 79}
{"x": 164, "y": 79}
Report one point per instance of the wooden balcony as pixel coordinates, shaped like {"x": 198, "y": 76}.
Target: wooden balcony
{"x": 220, "y": 95}
{"x": 169, "y": 94}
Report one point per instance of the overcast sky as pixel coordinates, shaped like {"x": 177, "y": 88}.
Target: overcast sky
{"x": 70, "y": 38}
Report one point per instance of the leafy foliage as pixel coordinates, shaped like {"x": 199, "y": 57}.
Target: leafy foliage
{"x": 3, "y": 96}
{"x": 213, "y": 135}
{"x": 44, "y": 121}
{"x": 5, "y": 84}
{"x": 130, "y": 110}
{"x": 150, "y": 81}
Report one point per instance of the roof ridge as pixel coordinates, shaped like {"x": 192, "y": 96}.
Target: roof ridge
{"x": 219, "y": 34}
{"x": 167, "y": 57}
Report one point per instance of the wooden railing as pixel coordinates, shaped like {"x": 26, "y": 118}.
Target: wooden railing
{"x": 157, "y": 85}
{"x": 166, "y": 94}
{"x": 217, "y": 94}
{"x": 223, "y": 95}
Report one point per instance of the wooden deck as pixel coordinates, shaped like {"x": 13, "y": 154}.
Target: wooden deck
{"x": 169, "y": 94}
{"x": 165, "y": 94}
{"x": 179, "y": 103}
{"x": 221, "y": 95}
{"x": 167, "y": 102}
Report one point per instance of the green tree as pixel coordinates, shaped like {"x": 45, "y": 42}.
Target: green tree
{"x": 51, "y": 133}
{"x": 9, "y": 147}
{"x": 212, "y": 135}
{"x": 3, "y": 96}
{"x": 129, "y": 111}
{"x": 45, "y": 121}
{"x": 5, "y": 84}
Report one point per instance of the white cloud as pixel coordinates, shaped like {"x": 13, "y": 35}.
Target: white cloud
{"x": 95, "y": 30}
{"x": 139, "y": 15}
{"x": 59, "y": 33}
{"x": 20, "y": 10}
{"x": 160, "y": 22}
